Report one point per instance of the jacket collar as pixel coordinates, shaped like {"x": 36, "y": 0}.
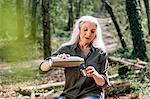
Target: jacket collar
{"x": 74, "y": 46}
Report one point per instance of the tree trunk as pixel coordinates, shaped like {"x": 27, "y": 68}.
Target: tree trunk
{"x": 78, "y": 8}
{"x": 110, "y": 11}
{"x": 46, "y": 29}
{"x": 147, "y": 7}
{"x": 133, "y": 12}
{"x": 20, "y": 19}
{"x": 2, "y": 19}
{"x": 70, "y": 15}
{"x": 33, "y": 20}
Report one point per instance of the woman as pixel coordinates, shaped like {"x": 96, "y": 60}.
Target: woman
{"x": 86, "y": 42}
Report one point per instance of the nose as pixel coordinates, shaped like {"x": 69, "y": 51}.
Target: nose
{"x": 88, "y": 33}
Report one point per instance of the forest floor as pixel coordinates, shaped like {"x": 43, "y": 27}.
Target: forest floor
{"x": 7, "y": 89}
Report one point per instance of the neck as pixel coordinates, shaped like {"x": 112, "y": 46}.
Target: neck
{"x": 84, "y": 45}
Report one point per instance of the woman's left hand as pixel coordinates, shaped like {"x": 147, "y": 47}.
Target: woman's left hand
{"x": 90, "y": 71}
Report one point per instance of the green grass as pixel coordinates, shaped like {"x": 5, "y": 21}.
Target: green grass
{"x": 17, "y": 73}
{"x": 16, "y": 51}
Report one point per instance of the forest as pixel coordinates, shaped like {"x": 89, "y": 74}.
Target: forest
{"x": 31, "y": 30}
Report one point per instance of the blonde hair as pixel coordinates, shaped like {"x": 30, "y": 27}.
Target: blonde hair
{"x": 97, "y": 42}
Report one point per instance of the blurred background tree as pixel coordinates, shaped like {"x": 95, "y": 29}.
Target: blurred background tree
{"x": 24, "y": 20}
{"x": 31, "y": 30}
{"x": 147, "y": 7}
{"x": 20, "y": 19}
{"x": 46, "y": 29}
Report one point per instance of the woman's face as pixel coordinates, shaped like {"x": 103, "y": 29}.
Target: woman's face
{"x": 87, "y": 32}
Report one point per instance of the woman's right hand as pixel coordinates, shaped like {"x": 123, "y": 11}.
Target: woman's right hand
{"x": 45, "y": 66}
{"x": 64, "y": 55}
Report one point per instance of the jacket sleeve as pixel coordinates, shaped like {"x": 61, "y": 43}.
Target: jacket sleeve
{"x": 104, "y": 67}
{"x": 59, "y": 51}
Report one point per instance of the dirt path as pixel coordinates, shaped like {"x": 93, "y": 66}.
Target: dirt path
{"x": 109, "y": 39}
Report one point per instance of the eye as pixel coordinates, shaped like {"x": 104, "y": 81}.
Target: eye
{"x": 92, "y": 31}
{"x": 85, "y": 29}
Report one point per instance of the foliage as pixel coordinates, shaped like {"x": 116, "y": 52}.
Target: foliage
{"x": 58, "y": 11}
{"x": 121, "y": 15}
{"x": 59, "y": 15}
{"x": 138, "y": 78}
{"x": 19, "y": 73}
{"x": 13, "y": 50}
{"x": 16, "y": 51}
{"x": 140, "y": 81}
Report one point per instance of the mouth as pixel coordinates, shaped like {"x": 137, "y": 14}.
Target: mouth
{"x": 87, "y": 38}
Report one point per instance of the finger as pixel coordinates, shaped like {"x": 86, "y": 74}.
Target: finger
{"x": 89, "y": 74}
{"x": 61, "y": 56}
{"x": 89, "y": 71}
{"x": 58, "y": 55}
{"x": 68, "y": 55}
{"x": 65, "y": 55}
{"x": 89, "y": 68}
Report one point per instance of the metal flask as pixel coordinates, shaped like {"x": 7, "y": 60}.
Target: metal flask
{"x": 71, "y": 61}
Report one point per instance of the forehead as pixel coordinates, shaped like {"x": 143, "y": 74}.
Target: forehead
{"x": 88, "y": 24}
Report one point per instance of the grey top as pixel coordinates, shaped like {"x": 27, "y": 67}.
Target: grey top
{"x": 77, "y": 85}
